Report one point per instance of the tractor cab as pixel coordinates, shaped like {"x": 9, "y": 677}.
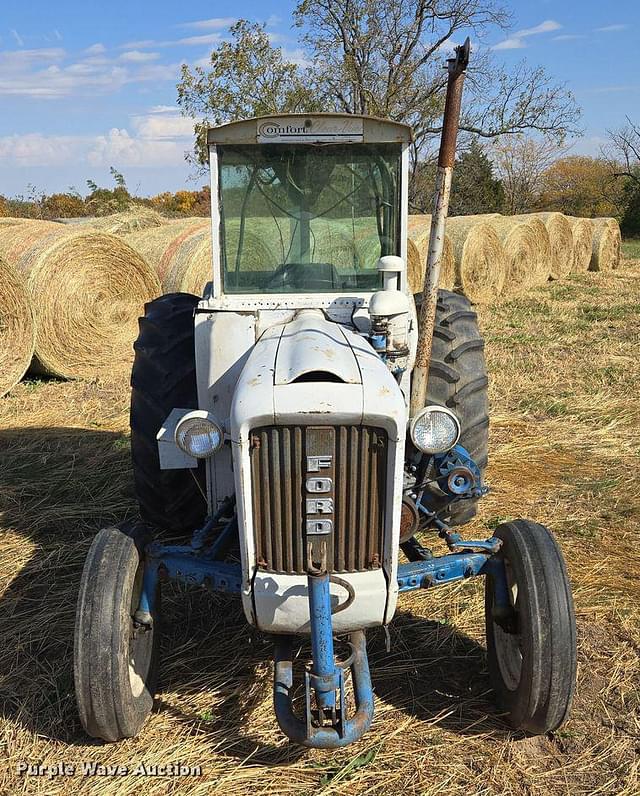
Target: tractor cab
{"x": 306, "y": 204}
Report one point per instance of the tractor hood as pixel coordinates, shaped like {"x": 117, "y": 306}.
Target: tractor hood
{"x": 313, "y": 349}
{"x": 313, "y": 371}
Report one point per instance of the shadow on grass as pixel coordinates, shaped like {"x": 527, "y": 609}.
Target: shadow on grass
{"x": 58, "y": 487}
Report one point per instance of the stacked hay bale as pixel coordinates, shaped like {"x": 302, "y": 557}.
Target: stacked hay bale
{"x": 582, "y": 232}
{"x": 137, "y": 217}
{"x": 480, "y": 260}
{"x": 561, "y": 240}
{"x": 180, "y": 252}
{"x": 605, "y": 251}
{"x": 87, "y": 290}
{"x": 527, "y": 250}
{"x": 419, "y": 230}
{"x": 17, "y": 327}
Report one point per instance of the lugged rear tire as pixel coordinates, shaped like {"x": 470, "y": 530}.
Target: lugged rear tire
{"x": 164, "y": 378}
{"x": 458, "y": 379}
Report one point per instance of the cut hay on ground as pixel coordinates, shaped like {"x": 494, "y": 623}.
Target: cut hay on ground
{"x": 87, "y": 289}
{"x": 419, "y": 230}
{"x": 525, "y": 246}
{"x": 137, "y": 217}
{"x": 561, "y": 239}
{"x": 582, "y": 231}
{"x": 480, "y": 259}
{"x": 605, "y": 252}
{"x": 17, "y": 327}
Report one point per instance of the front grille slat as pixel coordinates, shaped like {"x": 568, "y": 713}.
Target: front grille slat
{"x": 279, "y": 460}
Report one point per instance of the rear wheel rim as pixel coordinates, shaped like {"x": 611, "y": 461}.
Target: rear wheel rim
{"x": 508, "y": 646}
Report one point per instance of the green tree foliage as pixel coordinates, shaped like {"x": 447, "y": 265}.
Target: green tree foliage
{"x": 630, "y": 223}
{"x": 475, "y": 189}
{"x": 104, "y": 201}
{"x": 247, "y": 77}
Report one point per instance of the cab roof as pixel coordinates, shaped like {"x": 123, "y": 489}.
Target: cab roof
{"x": 311, "y": 128}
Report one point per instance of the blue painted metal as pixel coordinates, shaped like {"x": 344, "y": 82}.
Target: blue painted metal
{"x": 189, "y": 566}
{"x": 455, "y": 540}
{"x": 144, "y": 613}
{"x": 443, "y": 569}
{"x": 327, "y": 737}
{"x": 325, "y": 675}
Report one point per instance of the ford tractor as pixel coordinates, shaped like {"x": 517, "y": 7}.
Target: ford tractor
{"x": 298, "y": 426}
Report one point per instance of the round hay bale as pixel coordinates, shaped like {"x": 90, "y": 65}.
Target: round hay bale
{"x": 17, "y": 327}
{"x": 582, "y": 231}
{"x": 480, "y": 259}
{"x": 526, "y": 256}
{"x": 418, "y": 233}
{"x": 137, "y": 217}
{"x": 561, "y": 239}
{"x": 605, "y": 251}
{"x": 87, "y": 289}
{"x": 180, "y": 252}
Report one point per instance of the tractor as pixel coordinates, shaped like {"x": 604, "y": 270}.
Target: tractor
{"x": 301, "y": 423}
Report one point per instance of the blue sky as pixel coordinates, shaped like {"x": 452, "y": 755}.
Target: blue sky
{"x": 85, "y": 85}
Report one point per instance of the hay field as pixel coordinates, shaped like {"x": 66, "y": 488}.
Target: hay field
{"x": 564, "y": 450}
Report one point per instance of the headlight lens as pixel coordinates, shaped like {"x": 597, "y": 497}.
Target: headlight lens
{"x": 435, "y": 429}
{"x": 199, "y": 434}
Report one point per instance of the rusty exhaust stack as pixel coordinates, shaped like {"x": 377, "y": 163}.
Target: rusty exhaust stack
{"x": 456, "y": 67}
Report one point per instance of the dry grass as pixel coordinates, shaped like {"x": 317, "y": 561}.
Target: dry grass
{"x": 564, "y": 450}
{"x": 134, "y": 219}
{"x": 87, "y": 290}
{"x": 17, "y": 327}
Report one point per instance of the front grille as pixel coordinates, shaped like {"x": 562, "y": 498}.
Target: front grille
{"x": 354, "y": 459}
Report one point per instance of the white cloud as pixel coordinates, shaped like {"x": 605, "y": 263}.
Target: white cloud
{"x": 517, "y": 40}
{"x": 47, "y": 73}
{"x": 35, "y": 149}
{"x": 95, "y": 49}
{"x": 569, "y": 37}
{"x": 163, "y": 126}
{"x": 158, "y": 138}
{"x": 138, "y": 57}
{"x": 208, "y": 38}
{"x": 18, "y": 38}
{"x": 210, "y": 24}
{"x": 611, "y": 28}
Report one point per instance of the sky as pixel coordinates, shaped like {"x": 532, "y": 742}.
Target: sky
{"x": 86, "y": 85}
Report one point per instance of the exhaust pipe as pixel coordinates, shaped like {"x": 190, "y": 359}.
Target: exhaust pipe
{"x": 446, "y": 160}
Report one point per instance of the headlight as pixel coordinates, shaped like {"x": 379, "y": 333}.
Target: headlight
{"x": 199, "y": 434}
{"x": 435, "y": 429}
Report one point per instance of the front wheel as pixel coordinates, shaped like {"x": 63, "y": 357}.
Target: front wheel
{"x": 531, "y": 642}
{"x": 115, "y": 658}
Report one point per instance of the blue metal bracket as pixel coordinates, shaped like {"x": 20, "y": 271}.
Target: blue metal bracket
{"x": 442, "y": 569}
{"x": 190, "y": 566}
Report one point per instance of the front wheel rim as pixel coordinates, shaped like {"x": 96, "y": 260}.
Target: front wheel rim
{"x": 508, "y": 646}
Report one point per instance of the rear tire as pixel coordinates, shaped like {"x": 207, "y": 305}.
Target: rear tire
{"x": 115, "y": 661}
{"x": 458, "y": 379}
{"x": 164, "y": 378}
{"x": 532, "y": 656}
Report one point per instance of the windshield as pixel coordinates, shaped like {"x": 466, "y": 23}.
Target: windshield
{"x": 301, "y": 218}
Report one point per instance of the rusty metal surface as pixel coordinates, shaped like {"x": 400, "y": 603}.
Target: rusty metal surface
{"x": 357, "y": 471}
{"x": 456, "y": 67}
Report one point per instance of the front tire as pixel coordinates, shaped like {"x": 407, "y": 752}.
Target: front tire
{"x": 532, "y": 652}
{"x": 115, "y": 660}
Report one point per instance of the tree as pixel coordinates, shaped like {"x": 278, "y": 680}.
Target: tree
{"x": 520, "y": 163}
{"x": 581, "y": 186}
{"x": 475, "y": 189}
{"x": 624, "y": 146}
{"x": 247, "y": 77}
{"x": 378, "y": 58}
